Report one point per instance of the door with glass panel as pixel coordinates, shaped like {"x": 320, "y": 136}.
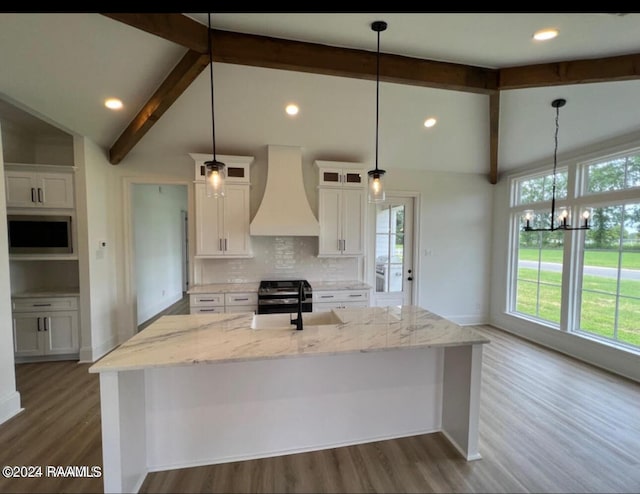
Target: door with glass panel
{"x": 393, "y": 251}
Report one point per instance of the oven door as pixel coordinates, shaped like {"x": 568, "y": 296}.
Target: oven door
{"x": 282, "y": 305}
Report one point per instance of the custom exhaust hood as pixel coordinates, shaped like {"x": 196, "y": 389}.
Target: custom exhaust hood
{"x": 284, "y": 210}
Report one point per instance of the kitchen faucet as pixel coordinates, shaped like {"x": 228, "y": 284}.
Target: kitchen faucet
{"x": 301, "y": 298}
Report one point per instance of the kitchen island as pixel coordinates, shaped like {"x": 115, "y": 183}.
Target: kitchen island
{"x": 202, "y": 389}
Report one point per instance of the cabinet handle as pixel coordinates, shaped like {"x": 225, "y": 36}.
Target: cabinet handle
{"x": 326, "y": 296}
{"x": 207, "y": 310}
{"x": 39, "y": 329}
{"x": 239, "y": 299}
{"x": 40, "y": 195}
{"x": 355, "y": 295}
{"x": 33, "y": 194}
{"x": 225, "y": 244}
{"x": 344, "y": 244}
{"x": 41, "y": 305}
{"x": 207, "y": 300}
{"x": 47, "y": 323}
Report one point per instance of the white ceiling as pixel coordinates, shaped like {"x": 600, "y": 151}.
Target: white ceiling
{"x": 60, "y": 67}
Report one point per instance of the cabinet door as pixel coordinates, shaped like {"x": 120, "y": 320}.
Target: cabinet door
{"x": 209, "y": 220}
{"x": 61, "y": 332}
{"x": 330, "y": 241}
{"x": 27, "y": 330}
{"x": 57, "y": 189}
{"x": 353, "y": 214}
{"x": 236, "y": 221}
{"x": 21, "y": 189}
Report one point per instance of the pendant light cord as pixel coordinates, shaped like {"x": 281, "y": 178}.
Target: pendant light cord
{"x": 213, "y": 122}
{"x": 555, "y": 164}
{"x": 377, "y": 95}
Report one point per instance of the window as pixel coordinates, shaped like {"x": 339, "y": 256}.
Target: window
{"x": 610, "y": 304}
{"x": 594, "y": 274}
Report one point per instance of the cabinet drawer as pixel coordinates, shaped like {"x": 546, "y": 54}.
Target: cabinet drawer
{"x": 206, "y": 310}
{"x": 44, "y": 304}
{"x": 207, "y": 299}
{"x": 250, "y": 298}
{"x": 341, "y": 296}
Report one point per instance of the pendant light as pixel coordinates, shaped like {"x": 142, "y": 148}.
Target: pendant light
{"x": 376, "y": 187}
{"x": 563, "y": 218}
{"x": 215, "y": 170}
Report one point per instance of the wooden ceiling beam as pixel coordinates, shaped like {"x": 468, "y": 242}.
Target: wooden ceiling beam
{"x": 177, "y": 28}
{"x": 610, "y": 69}
{"x": 191, "y": 65}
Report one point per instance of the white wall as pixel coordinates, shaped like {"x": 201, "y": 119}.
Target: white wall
{"x": 455, "y": 230}
{"x": 99, "y": 305}
{"x": 9, "y": 396}
{"x": 158, "y": 245}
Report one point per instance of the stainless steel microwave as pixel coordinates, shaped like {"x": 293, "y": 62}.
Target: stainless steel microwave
{"x": 39, "y": 234}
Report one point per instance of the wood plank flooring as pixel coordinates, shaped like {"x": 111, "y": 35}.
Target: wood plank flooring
{"x": 548, "y": 424}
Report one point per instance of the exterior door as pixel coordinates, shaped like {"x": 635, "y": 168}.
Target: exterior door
{"x": 393, "y": 251}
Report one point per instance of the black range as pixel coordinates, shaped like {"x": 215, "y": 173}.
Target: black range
{"x": 281, "y": 296}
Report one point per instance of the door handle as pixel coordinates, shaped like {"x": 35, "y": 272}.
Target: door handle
{"x": 410, "y": 277}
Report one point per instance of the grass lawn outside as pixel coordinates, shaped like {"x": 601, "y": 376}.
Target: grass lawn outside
{"x": 598, "y": 305}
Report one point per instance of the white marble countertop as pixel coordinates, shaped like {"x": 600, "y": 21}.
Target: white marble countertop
{"x": 227, "y": 337}
{"x": 338, "y": 285}
{"x": 253, "y": 287}
{"x": 224, "y": 288}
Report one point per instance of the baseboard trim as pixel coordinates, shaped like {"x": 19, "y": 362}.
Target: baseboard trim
{"x": 10, "y": 406}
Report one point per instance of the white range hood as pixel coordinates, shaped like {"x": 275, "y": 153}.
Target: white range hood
{"x": 284, "y": 210}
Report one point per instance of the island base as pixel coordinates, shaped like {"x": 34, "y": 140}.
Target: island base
{"x": 176, "y": 417}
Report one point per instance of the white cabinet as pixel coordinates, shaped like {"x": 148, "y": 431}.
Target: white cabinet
{"x": 39, "y": 189}
{"x": 341, "y": 209}
{"x": 206, "y": 303}
{"x": 325, "y": 300}
{"x": 341, "y": 216}
{"x": 241, "y": 302}
{"x": 211, "y": 303}
{"x": 222, "y": 225}
{"x": 45, "y": 326}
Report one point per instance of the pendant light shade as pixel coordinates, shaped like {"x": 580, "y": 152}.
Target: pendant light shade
{"x": 562, "y": 219}
{"x": 216, "y": 170}
{"x": 376, "y": 184}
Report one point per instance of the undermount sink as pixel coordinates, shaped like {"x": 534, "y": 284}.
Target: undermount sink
{"x": 273, "y": 321}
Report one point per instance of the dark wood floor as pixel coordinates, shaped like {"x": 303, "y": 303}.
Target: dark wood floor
{"x": 548, "y": 424}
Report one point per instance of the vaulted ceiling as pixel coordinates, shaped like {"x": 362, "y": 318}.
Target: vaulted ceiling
{"x": 494, "y": 78}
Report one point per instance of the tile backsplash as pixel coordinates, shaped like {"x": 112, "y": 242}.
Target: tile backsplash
{"x": 279, "y": 258}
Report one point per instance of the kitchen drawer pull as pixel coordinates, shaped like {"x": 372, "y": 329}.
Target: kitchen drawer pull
{"x": 39, "y": 325}
{"x": 207, "y": 300}
{"x": 326, "y": 296}
{"x": 33, "y": 195}
{"x": 46, "y": 326}
{"x": 238, "y": 299}
{"x": 355, "y": 295}
{"x": 41, "y": 305}
{"x": 207, "y": 310}
{"x": 40, "y": 195}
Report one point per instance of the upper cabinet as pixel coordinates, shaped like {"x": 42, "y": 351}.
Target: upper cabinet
{"x": 33, "y": 187}
{"x": 341, "y": 208}
{"x": 222, "y": 225}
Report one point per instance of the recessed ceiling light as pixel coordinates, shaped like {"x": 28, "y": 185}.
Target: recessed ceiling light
{"x": 545, "y": 34}
{"x": 430, "y": 122}
{"x": 113, "y": 103}
{"x": 292, "y": 109}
